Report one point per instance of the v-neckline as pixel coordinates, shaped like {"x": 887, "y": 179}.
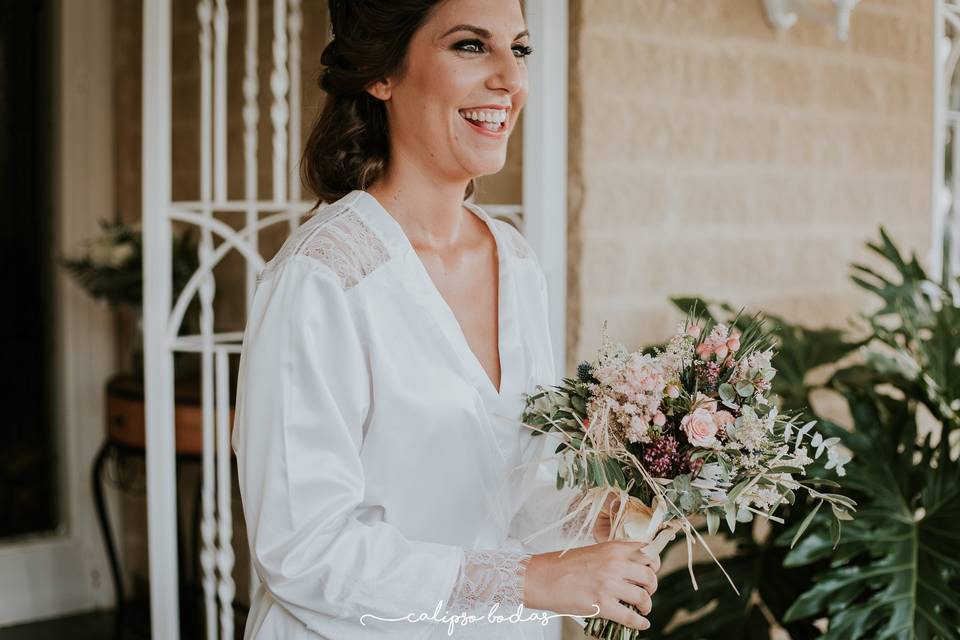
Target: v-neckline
{"x": 454, "y": 324}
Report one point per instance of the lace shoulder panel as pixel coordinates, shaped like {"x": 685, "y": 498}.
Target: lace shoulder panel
{"x": 514, "y": 240}
{"x": 338, "y": 237}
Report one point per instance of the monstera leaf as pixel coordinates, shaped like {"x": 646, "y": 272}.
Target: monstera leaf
{"x": 920, "y": 324}
{"x": 904, "y": 298}
{"x": 895, "y": 572}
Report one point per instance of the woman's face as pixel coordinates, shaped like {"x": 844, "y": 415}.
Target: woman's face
{"x": 466, "y": 61}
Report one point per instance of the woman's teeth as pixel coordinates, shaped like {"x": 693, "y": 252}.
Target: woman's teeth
{"x": 490, "y": 119}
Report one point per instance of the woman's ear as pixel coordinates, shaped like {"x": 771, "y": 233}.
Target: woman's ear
{"x": 381, "y": 89}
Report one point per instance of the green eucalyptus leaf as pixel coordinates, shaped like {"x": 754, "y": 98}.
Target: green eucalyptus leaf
{"x": 727, "y": 392}
{"x": 806, "y": 523}
{"x": 713, "y": 522}
{"x": 730, "y": 513}
{"x": 579, "y": 404}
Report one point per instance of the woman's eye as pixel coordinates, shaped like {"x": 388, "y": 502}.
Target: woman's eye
{"x": 470, "y": 46}
{"x": 475, "y": 46}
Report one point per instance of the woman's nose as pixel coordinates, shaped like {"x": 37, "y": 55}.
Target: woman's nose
{"x": 509, "y": 74}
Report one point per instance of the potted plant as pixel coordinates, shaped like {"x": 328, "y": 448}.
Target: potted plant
{"x": 110, "y": 268}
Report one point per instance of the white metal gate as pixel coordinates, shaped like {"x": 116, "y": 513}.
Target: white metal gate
{"x": 543, "y": 214}
{"x": 944, "y": 257}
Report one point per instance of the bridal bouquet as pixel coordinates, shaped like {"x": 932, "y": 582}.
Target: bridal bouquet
{"x": 653, "y": 439}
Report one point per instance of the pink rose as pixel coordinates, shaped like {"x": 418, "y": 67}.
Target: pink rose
{"x": 733, "y": 344}
{"x": 721, "y": 351}
{"x": 704, "y": 351}
{"x": 673, "y": 391}
{"x": 704, "y": 402}
{"x": 723, "y": 418}
{"x": 659, "y": 419}
{"x": 693, "y": 331}
{"x": 700, "y": 427}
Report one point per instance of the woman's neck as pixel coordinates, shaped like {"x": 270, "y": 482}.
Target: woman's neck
{"x": 431, "y": 213}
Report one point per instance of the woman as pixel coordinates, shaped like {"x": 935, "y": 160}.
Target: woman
{"x": 387, "y": 350}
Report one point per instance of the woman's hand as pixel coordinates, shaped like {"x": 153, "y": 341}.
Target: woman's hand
{"x": 601, "y": 574}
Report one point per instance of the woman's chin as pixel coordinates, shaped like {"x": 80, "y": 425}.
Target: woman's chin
{"x": 486, "y": 166}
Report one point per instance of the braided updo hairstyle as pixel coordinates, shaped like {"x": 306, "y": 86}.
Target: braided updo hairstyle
{"x": 349, "y": 143}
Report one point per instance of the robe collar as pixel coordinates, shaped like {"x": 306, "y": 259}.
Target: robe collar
{"x": 416, "y": 278}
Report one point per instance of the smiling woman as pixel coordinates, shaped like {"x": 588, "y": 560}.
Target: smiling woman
{"x": 387, "y": 352}
{"x": 349, "y": 144}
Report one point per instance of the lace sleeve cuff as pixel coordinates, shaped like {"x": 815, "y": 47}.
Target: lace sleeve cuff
{"x": 487, "y": 577}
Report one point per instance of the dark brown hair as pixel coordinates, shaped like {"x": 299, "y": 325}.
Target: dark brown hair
{"x": 349, "y": 143}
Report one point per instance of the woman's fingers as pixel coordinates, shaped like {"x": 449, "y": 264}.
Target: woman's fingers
{"x": 617, "y": 612}
{"x": 633, "y": 594}
{"x": 641, "y": 575}
{"x": 638, "y": 553}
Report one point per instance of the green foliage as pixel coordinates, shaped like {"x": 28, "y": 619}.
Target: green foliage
{"x": 896, "y": 570}
{"x": 896, "y": 573}
{"x": 920, "y": 328}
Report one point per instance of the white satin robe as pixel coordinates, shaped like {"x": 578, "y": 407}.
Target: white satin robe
{"x": 374, "y": 451}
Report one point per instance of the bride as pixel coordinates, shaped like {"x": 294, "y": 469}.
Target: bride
{"x": 386, "y": 354}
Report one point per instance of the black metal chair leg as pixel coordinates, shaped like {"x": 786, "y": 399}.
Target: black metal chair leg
{"x": 100, "y": 503}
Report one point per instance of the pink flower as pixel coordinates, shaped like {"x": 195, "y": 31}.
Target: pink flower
{"x": 663, "y": 457}
{"x": 659, "y": 419}
{"x": 704, "y": 351}
{"x": 723, "y": 418}
{"x": 693, "y": 331}
{"x": 700, "y": 427}
{"x": 673, "y": 391}
{"x": 722, "y": 351}
{"x": 733, "y": 343}
{"x": 704, "y": 402}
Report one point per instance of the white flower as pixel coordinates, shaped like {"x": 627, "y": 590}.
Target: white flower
{"x": 836, "y": 459}
{"x": 101, "y": 252}
{"x": 120, "y": 253}
{"x": 638, "y": 430}
{"x": 749, "y": 431}
{"x": 800, "y": 458}
{"x": 712, "y": 472}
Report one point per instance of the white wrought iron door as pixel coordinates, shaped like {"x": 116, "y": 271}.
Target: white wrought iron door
{"x": 543, "y": 216}
{"x": 944, "y": 257}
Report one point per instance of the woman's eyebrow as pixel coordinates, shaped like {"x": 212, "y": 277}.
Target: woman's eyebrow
{"x": 480, "y": 31}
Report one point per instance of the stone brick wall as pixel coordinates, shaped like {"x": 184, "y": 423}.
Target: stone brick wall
{"x": 712, "y": 156}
